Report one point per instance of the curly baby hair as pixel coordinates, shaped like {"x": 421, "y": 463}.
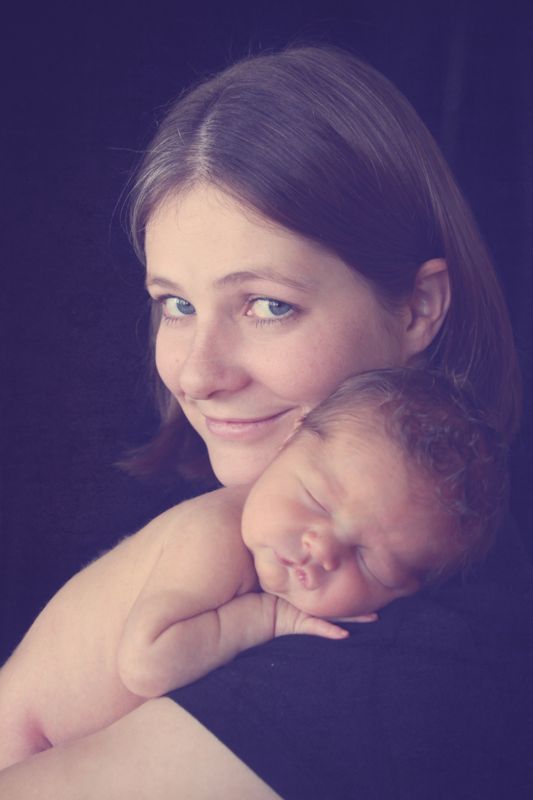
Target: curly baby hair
{"x": 442, "y": 436}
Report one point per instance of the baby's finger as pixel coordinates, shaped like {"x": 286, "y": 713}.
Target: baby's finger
{"x": 321, "y": 627}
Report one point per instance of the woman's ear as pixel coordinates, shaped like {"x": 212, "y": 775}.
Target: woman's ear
{"x": 427, "y": 306}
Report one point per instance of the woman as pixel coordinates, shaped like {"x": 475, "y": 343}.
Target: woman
{"x": 299, "y": 225}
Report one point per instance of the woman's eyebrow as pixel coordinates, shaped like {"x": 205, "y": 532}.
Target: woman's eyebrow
{"x": 241, "y": 276}
{"x": 266, "y": 274}
{"x": 154, "y": 280}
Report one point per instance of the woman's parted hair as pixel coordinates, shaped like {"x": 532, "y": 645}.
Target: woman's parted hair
{"x": 442, "y": 435}
{"x": 327, "y": 147}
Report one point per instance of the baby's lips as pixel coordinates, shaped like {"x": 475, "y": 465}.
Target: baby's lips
{"x": 308, "y": 577}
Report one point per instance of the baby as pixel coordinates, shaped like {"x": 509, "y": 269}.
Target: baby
{"x": 387, "y": 486}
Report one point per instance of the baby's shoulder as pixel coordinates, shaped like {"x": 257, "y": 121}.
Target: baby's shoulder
{"x": 223, "y": 505}
{"x": 208, "y": 517}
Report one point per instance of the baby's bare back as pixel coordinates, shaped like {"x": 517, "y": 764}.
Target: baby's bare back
{"x": 62, "y": 679}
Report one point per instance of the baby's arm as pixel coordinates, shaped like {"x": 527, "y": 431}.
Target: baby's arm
{"x": 199, "y": 608}
{"x": 175, "y": 631}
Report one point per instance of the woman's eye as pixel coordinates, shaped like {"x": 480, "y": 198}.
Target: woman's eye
{"x": 268, "y": 309}
{"x": 176, "y": 307}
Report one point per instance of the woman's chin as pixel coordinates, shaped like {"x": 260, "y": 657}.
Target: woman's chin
{"x": 235, "y": 469}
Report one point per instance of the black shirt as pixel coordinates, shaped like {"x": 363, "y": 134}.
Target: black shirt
{"x": 435, "y": 700}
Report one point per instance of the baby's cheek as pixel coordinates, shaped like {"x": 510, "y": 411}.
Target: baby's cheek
{"x": 272, "y": 577}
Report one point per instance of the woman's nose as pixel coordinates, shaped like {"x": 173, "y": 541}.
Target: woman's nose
{"x": 323, "y": 548}
{"x": 210, "y": 364}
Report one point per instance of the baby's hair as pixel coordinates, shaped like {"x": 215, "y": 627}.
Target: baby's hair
{"x": 442, "y": 435}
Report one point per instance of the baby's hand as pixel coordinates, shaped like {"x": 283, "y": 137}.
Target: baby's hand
{"x": 289, "y": 619}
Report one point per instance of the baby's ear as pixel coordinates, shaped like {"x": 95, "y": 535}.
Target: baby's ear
{"x": 427, "y": 306}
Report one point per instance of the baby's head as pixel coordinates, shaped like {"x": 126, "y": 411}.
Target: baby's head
{"x": 392, "y": 483}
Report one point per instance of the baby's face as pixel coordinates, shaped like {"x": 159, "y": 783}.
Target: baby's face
{"x": 337, "y": 529}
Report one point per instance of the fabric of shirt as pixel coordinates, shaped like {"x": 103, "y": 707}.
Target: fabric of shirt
{"x": 435, "y": 700}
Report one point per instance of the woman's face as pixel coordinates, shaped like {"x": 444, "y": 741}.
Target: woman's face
{"x": 258, "y": 325}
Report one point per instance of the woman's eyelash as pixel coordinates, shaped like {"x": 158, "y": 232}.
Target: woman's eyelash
{"x": 258, "y": 322}
{"x": 181, "y": 304}
{"x": 270, "y": 305}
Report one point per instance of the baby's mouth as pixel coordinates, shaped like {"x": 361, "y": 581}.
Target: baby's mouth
{"x": 302, "y": 576}
{"x": 309, "y": 576}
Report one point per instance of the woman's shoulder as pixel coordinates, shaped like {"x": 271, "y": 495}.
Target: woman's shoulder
{"x": 490, "y": 606}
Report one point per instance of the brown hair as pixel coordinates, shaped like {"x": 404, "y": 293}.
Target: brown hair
{"x": 324, "y": 145}
{"x": 442, "y": 435}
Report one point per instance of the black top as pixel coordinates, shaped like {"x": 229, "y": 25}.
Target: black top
{"x": 433, "y": 701}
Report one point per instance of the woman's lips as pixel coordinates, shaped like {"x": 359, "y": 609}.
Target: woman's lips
{"x": 237, "y": 429}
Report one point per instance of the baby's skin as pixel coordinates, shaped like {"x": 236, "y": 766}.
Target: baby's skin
{"x": 164, "y": 607}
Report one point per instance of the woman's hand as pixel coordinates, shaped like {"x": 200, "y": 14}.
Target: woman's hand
{"x": 289, "y": 619}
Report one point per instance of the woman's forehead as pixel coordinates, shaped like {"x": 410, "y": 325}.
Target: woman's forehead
{"x": 186, "y": 214}
{"x": 209, "y": 230}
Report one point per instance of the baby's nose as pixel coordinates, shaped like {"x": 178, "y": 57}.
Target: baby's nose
{"x": 323, "y": 548}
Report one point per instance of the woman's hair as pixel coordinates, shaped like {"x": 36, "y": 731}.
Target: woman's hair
{"x": 442, "y": 436}
{"x": 322, "y": 144}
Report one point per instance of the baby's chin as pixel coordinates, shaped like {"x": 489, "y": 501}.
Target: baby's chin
{"x": 271, "y": 586}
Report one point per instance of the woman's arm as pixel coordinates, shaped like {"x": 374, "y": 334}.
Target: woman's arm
{"x": 157, "y": 751}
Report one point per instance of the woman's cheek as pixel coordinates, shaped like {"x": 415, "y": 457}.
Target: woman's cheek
{"x": 297, "y": 368}
{"x": 166, "y": 362}
{"x": 306, "y": 373}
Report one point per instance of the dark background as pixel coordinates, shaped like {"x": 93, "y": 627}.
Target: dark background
{"x": 83, "y": 90}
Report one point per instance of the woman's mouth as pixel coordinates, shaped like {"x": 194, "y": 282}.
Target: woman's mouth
{"x": 237, "y": 429}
